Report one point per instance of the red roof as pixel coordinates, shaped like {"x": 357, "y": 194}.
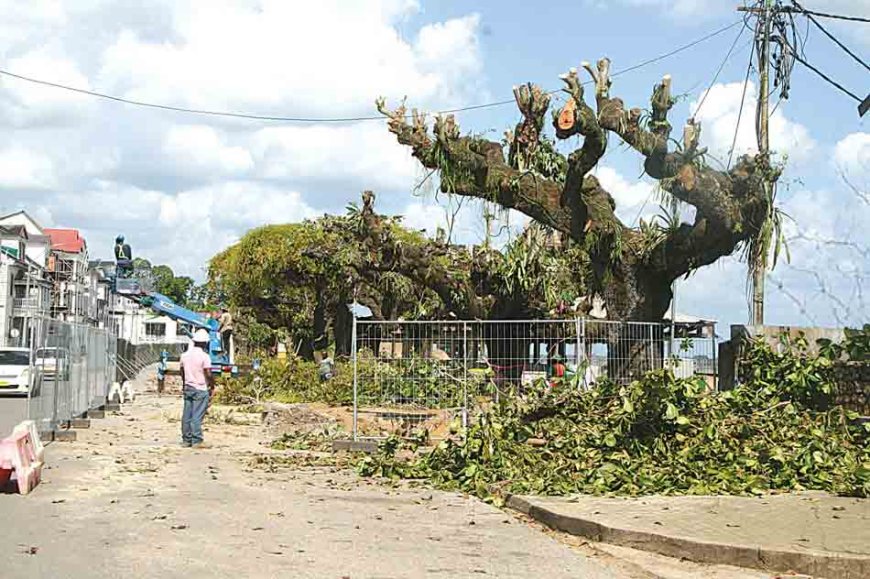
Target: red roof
{"x": 68, "y": 240}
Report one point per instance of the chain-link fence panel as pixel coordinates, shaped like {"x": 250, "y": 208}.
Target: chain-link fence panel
{"x": 423, "y": 373}
{"x": 72, "y": 367}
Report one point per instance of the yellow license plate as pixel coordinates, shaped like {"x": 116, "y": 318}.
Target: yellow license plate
{"x": 4, "y": 383}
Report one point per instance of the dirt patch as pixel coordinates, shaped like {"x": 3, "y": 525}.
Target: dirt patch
{"x": 280, "y": 419}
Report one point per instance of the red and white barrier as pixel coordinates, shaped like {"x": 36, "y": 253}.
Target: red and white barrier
{"x": 19, "y": 455}
{"x": 29, "y": 426}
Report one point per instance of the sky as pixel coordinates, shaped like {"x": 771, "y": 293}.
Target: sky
{"x": 182, "y": 187}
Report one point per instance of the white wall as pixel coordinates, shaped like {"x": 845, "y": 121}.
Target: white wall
{"x": 131, "y": 323}
{"x": 37, "y": 249}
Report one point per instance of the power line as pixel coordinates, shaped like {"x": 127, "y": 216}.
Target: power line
{"x": 833, "y": 16}
{"x": 718, "y": 72}
{"x": 831, "y": 36}
{"x": 825, "y": 77}
{"x": 330, "y": 119}
{"x": 740, "y": 111}
{"x": 678, "y": 50}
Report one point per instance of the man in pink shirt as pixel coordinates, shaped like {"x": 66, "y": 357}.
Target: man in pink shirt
{"x": 198, "y": 385}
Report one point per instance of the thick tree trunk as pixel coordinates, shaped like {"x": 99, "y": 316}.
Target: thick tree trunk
{"x": 342, "y": 329}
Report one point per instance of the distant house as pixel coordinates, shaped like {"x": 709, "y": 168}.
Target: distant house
{"x": 68, "y": 272}
{"x": 61, "y": 256}
{"x": 24, "y": 289}
{"x": 38, "y": 244}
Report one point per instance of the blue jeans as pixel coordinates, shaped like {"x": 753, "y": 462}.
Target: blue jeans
{"x": 195, "y": 405}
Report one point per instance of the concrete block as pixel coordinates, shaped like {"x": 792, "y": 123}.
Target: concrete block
{"x": 113, "y": 407}
{"x": 367, "y": 446}
{"x": 101, "y": 413}
{"x": 64, "y": 435}
{"x": 46, "y": 436}
{"x": 80, "y": 423}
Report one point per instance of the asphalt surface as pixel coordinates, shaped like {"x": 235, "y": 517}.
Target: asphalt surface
{"x": 12, "y": 411}
{"x": 125, "y": 500}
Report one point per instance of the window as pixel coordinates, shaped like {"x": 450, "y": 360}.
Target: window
{"x": 14, "y": 358}
{"x": 153, "y": 330}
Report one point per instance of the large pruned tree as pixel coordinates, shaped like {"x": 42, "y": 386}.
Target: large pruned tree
{"x": 632, "y": 269}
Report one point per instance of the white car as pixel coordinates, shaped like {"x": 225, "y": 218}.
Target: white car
{"x": 14, "y": 371}
{"x": 53, "y": 363}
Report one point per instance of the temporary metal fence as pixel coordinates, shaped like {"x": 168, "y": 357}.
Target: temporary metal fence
{"x": 425, "y": 372}
{"x": 72, "y": 367}
{"x": 132, "y": 358}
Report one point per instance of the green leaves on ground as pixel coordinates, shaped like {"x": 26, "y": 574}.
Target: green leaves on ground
{"x": 661, "y": 435}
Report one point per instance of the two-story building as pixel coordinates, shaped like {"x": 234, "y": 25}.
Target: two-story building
{"x": 24, "y": 289}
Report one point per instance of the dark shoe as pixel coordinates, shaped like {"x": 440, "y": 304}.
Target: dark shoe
{"x": 186, "y": 444}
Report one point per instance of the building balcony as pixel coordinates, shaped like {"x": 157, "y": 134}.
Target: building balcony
{"x": 28, "y": 304}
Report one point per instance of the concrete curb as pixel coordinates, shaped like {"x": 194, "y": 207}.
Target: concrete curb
{"x": 814, "y": 563}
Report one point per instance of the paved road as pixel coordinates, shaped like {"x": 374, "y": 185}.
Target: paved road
{"x": 126, "y": 500}
{"x": 12, "y": 411}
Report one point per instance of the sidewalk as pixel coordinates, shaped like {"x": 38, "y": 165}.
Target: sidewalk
{"x": 812, "y": 533}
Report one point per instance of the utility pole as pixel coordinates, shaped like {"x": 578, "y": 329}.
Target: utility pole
{"x": 763, "y": 149}
{"x": 764, "y": 14}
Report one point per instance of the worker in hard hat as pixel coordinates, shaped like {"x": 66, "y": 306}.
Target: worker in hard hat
{"x": 123, "y": 257}
{"x": 198, "y": 384}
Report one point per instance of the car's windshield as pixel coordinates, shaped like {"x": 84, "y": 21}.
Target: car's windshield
{"x": 12, "y": 358}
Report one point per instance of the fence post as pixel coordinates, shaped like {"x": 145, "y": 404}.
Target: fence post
{"x": 577, "y": 355}
{"x": 587, "y": 360}
{"x": 353, "y": 351}
{"x": 30, "y": 371}
{"x": 715, "y": 353}
{"x": 465, "y": 374}
{"x": 45, "y": 332}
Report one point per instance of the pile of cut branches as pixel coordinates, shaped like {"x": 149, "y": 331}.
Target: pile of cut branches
{"x": 660, "y": 435}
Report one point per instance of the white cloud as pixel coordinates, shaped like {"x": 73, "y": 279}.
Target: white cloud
{"x": 31, "y": 105}
{"x": 852, "y": 155}
{"x": 183, "y": 186}
{"x": 635, "y": 199}
{"x": 275, "y": 57}
{"x": 199, "y": 150}
{"x": 22, "y": 168}
{"x": 362, "y": 152}
{"x": 719, "y": 115}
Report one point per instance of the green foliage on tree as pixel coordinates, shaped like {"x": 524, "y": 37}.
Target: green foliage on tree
{"x": 163, "y": 280}
{"x": 295, "y": 280}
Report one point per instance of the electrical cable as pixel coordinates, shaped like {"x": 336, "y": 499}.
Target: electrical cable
{"x": 289, "y": 119}
{"x": 740, "y": 111}
{"x": 718, "y": 72}
{"x": 834, "y": 16}
{"x": 831, "y": 36}
{"x": 826, "y": 77}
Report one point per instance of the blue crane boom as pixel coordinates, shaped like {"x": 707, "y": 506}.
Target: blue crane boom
{"x": 220, "y": 358}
